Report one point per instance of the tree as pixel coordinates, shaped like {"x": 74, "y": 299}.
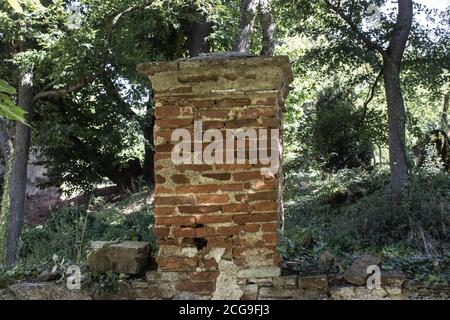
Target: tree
{"x": 248, "y": 12}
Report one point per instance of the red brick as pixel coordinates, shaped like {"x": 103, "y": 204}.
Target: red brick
{"x": 265, "y": 206}
{"x": 264, "y": 185}
{"x": 212, "y": 199}
{"x": 257, "y": 196}
{"x": 167, "y": 112}
{"x": 211, "y": 219}
{"x": 247, "y": 176}
{"x": 180, "y": 179}
{"x": 232, "y": 102}
{"x": 204, "y": 276}
{"x": 177, "y": 263}
{"x": 162, "y": 189}
{"x": 249, "y": 218}
{"x": 242, "y": 123}
{"x": 159, "y": 178}
{"x": 204, "y": 103}
{"x": 175, "y": 221}
{"x": 236, "y": 207}
{"x": 174, "y": 123}
{"x": 227, "y": 231}
{"x": 164, "y": 147}
{"x": 218, "y": 176}
{"x": 162, "y": 156}
{"x": 165, "y": 211}
{"x": 270, "y": 227}
{"x": 207, "y": 188}
{"x": 232, "y": 187}
{"x": 198, "y": 209}
{"x": 194, "y": 167}
{"x": 161, "y": 232}
{"x": 273, "y": 122}
{"x": 180, "y": 200}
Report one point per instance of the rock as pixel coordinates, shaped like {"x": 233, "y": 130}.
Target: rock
{"x": 129, "y": 257}
{"x": 45, "y": 291}
{"x": 285, "y": 281}
{"x": 189, "y": 296}
{"x": 394, "y": 278}
{"x": 47, "y": 276}
{"x": 357, "y": 293}
{"x": 327, "y": 258}
{"x": 319, "y": 282}
{"x": 277, "y": 293}
{"x": 259, "y": 272}
{"x": 250, "y": 292}
{"x": 357, "y": 272}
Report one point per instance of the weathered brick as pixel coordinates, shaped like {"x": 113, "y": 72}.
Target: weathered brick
{"x": 196, "y": 286}
{"x": 252, "y": 217}
{"x": 204, "y": 276}
{"x": 177, "y": 263}
{"x": 165, "y": 211}
{"x": 212, "y": 199}
{"x": 242, "y": 123}
{"x": 236, "y": 207}
{"x": 174, "y": 123}
{"x": 175, "y": 221}
{"x": 198, "y": 209}
{"x": 180, "y": 179}
{"x": 178, "y": 200}
{"x": 265, "y": 206}
{"x": 207, "y": 188}
{"x": 218, "y": 176}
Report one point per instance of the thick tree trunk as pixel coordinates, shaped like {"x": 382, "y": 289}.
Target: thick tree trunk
{"x": 18, "y": 178}
{"x": 396, "y": 119}
{"x": 445, "y": 113}
{"x": 247, "y": 17}
{"x": 196, "y": 35}
{"x": 268, "y": 28}
{"x": 392, "y": 62}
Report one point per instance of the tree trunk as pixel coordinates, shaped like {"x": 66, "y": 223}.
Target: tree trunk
{"x": 196, "y": 35}
{"x": 396, "y": 119}
{"x": 247, "y": 17}
{"x": 445, "y": 125}
{"x": 149, "y": 151}
{"x": 392, "y": 61}
{"x": 18, "y": 178}
{"x": 268, "y": 28}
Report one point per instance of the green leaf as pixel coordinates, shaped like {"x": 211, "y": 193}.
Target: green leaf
{"x": 10, "y": 110}
{"x": 5, "y": 87}
{"x": 16, "y": 5}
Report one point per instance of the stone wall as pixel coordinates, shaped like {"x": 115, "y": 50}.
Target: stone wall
{"x": 217, "y": 223}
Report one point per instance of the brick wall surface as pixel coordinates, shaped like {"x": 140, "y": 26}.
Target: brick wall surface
{"x": 217, "y": 224}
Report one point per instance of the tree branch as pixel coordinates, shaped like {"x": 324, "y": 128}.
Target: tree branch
{"x": 361, "y": 35}
{"x": 370, "y": 97}
{"x": 61, "y": 92}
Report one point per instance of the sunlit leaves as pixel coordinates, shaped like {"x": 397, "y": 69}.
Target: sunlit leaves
{"x": 8, "y": 109}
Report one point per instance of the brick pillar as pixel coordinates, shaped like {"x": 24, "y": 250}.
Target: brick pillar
{"x": 217, "y": 224}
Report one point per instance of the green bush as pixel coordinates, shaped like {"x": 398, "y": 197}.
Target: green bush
{"x": 68, "y": 231}
{"x": 351, "y": 211}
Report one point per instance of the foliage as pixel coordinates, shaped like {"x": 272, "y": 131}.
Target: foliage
{"x": 336, "y": 134}
{"x": 8, "y": 109}
{"x": 349, "y": 212}
{"x": 68, "y": 231}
